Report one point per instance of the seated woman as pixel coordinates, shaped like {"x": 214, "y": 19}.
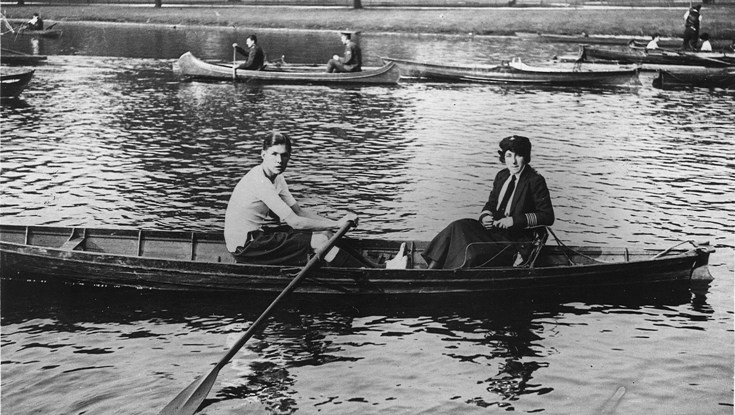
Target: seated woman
{"x": 519, "y": 201}
{"x": 265, "y": 225}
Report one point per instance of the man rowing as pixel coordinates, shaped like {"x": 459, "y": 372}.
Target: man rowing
{"x": 256, "y": 57}
{"x": 352, "y": 59}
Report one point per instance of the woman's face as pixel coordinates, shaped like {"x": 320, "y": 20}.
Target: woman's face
{"x": 275, "y": 159}
{"x": 514, "y": 162}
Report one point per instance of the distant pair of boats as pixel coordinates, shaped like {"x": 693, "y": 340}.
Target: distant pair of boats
{"x": 699, "y": 73}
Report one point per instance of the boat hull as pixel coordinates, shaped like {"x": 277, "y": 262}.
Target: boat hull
{"x": 510, "y": 74}
{"x": 191, "y": 67}
{"x": 191, "y": 261}
{"x": 698, "y": 77}
{"x": 12, "y": 57}
{"x": 655, "y": 57}
{"x": 50, "y": 33}
{"x": 13, "y": 84}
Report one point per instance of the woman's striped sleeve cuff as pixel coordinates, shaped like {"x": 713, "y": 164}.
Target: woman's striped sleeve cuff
{"x": 484, "y": 213}
{"x": 531, "y": 220}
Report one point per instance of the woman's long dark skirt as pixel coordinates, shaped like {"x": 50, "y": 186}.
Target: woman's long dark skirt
{"x": 450, "y": 247}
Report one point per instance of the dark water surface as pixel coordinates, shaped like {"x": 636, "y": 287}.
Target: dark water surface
{"x": 106, "y": 135}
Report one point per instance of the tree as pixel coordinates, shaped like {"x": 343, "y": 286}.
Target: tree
{"x": 357, "y": 4}
{"x": 158, "y": 3}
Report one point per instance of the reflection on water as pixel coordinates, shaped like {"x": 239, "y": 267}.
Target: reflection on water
{"x": 106, "y": 135}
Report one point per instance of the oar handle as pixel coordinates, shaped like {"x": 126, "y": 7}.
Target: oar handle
{"x": 234, "y": 61}
{"x": 286, "y": 291}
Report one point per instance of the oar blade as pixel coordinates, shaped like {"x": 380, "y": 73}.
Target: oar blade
{"x": 189, "y": 399}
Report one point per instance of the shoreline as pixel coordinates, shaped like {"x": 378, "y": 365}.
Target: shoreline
{"x": 478, "y": 21}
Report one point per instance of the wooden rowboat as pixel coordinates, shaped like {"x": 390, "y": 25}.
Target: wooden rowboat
{"x": 13, "y": 57}
{"x": 48, "y": 33}
{"x": 14, "y": 83}
{"x": 199, "y": 261}
{"x": 515, "y": 72}
{"x": 656, "y": 57}
{"x": 191, "y": 67}
{"x": 696, "y": 76}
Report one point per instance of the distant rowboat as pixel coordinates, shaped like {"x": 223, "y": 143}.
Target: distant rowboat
{"x": 199, "y": 261}
{"x": 515, "y": 72}
{"x": 696, "y": 76}
{"x": 191, "y": 67}
{"x": 48, "y": 33}
{"x": 656, "y": 57}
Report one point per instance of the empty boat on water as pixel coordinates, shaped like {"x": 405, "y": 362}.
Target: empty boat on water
{"x": 516, "y": 72}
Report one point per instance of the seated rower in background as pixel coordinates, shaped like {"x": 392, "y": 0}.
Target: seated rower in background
{"x": 706, "y": 45}
{"x": 256, "y": 57}
{"x": 519, "y": 201}
{"x": 36, "y": 23}
{"x": 264, "y": 224}
{"x": 352, "y": 60}
{"x": 653, "y": 44}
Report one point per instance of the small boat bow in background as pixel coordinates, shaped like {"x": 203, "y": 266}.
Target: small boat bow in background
{"x": 14, "y": 82}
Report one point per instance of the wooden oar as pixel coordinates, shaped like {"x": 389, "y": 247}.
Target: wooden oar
{"x": 49, "y": 28}
{"x": 234, "y": 61}
{"x": 189, "y": 400}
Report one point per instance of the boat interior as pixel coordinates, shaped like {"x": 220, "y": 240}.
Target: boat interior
{"x": 209, "y": 247}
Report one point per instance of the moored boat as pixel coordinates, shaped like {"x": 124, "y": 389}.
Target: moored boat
{"x": 13, "y": 83}
{"x": 191, "y": 67}
{"x": 13, "y": 57}
{"x": 516, "y": 72}
{"x": 199, "y": 261}
{"x": 696, "y": 76}
{"x": 655, "y": 57}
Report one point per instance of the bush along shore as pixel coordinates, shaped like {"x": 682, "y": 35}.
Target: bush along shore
{"x": 668, "y": 22}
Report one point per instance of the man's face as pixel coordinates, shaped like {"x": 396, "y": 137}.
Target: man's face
{"x": 249, "y": 42}
{"x": 514, "y": 162}
{"x": 275, "y": 159}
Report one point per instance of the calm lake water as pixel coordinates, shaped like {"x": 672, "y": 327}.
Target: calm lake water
{"x": 106, "y": 135}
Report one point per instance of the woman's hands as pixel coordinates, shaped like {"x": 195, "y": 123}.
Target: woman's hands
{"x": 504, "y": 223}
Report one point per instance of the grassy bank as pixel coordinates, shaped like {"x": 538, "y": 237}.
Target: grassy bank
{"x": 717, "y": 21}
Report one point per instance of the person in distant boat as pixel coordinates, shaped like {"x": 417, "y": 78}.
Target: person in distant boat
{"x": 351, "y": 61}
{"x": 653, "y": 44}
{"x": 264, "y": 224}
{"x": 256, "y": 57}
{"x": 706, "y": 46}
{"x": 692, "y": 21}
{"x": 519, "y": 201}
{"x": 36, "y": 23}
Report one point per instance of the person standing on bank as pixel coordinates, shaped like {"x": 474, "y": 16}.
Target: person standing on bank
{"x": 256, "y": 57}
{"x": 692, "y": 22}
{"x": 519, "y": 201}
{"x": 264, "y": 224}
{"x": 351, "y": 61}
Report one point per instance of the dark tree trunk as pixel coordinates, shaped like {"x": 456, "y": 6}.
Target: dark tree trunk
{"x": 158, "y": 3}
{"x": 357, "y": 4}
